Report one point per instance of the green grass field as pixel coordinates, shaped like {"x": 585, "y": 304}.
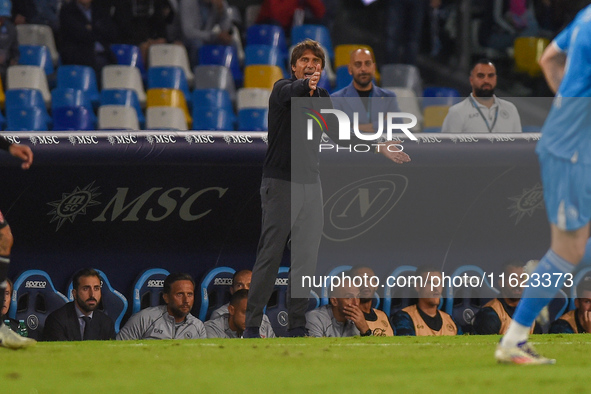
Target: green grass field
{"x": 400, "y": 364}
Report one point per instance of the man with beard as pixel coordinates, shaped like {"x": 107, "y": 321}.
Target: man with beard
{"x": 578, "y": 320}
{"x": 80, "y": 320}
{"x": 482, "y": 112}
{"x": 361, "y": 92}
{"x": 496, "y": 315}
{"x": 170, "y": 321}
{"x": 376, "y": 320}
{"x": 424, "y": 318}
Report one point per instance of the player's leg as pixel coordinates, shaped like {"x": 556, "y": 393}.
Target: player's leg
{"x": 275, "y": 228}
{"x": 8, "y": 338}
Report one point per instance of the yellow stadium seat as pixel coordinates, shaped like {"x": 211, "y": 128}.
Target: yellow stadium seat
{"x": 2, "y": 95}
{"x": 528, "y": 51}
{"x": 169, "y": 98}
{"x": 435, "y": 115}
{"x": 261, "y": 76}
{"x": 342, "y": 56}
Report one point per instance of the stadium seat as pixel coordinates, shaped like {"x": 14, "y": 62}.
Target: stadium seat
{"x": 402, "y": 76}
{"x": 397, "y": 298}
{"x": 117, "y": 117}
{"x": 170, "y": 77}
{"x": 276, "y": 309}
{"x": 212, "y": 98}
{"x": 558, "y": 306}
{"x": 253, "y": 119}
{"x": 261, "y": 76}
{"x": 318, "y": 33}
{"x": 215, "y": 77}
{"x": 440, "y": 96}
{"x": 252, "y": 98}
{"x": 434, "y": 116}
{"x": 267, "y": 35}
{"x": 30, "y": 34}
{"x": 29, "y": 77}
{"x": 215, "y": 290}
{"x": 125, "y": 97}
{"x": 531, "y": 129}
{"x": 169, "y": 98}
{"x": 27, "y": 98}
{"x": 409, "y": 103}
{"x": 208, "y": 118}
{"x": 147, "y": 289}
{"x": 73, "y": 119}
{"x": 462, "y": 303}
{"x": 222, "y": 55}
{"x": 35, "y": 55}
{"x": 2, "y": 122}
{"x": 171, "y": 55}
{"x": 26, "y": 119}
{"x": 124, "y": 77}
{"x": 70, "y": 97}
{"x": 2, "y": 94}
{"x": 79, "y": 77}
{"x": 129, "y": 55}
{"x": 582, "y": 274}
{"x": 165, "y": 118}
{"x": 113, "y": 303}
{"x": 343, "y": 77}
{"x": 528, "y": 51}
{"x": 265, "y": 55}
{"x": 33, "y": 298}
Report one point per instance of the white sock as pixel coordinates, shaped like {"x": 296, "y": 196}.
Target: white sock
{"x": 516, "y": 333}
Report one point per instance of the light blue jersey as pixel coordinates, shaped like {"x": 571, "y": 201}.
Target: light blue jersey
{"x": 567, "y": 131}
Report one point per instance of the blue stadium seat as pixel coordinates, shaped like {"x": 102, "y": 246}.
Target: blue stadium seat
{"x": 215, "y": 290}
{"x": 531, "y": 129}
{"x": 113, "y": 303}
{"x": 276, "y": 309}
{"x": 2, "y": 122}
{"x": 147, "y": 290}
{"x": 73, "y": 119}
{"x": 440, "y": 96}
{"x": 212, "y": 98}
{"x": 171, "y": 77}
{"x": 27, "y": 98}
{"x": 208, "y": 118}
{"x": 462, "y": 303}
{"x": 343, "y": 77}
{"x": 26, "y": 119}
{"x": 215, "y": 77}
{"x": 36, "y": 55}
{"x": 267, "y": 35}
{"x": 432, "y": 130}
{"x": 318, "y": 33}
{"x": 129, "y": 55}
{"x": 34, "y": 298}
{"x": 125, "y": 97}
{"x": 222, "y": 55}
{"x": 252, "y": 119}
{"x": 324, "y": 81}
{"x": 397, "y": 298}
{"x": 70, "y": 97}
{"x": 265, "y": 54}
{"x": 79, "y": 77}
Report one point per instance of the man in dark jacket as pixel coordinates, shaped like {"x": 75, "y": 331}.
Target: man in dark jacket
{"x": 79, "y": 320}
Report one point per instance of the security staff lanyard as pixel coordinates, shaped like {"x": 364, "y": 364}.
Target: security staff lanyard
{"x": 490, "y": 128}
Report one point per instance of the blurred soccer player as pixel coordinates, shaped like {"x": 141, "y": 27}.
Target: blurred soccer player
{"x": 9, "y": 338}
{"x": 564, "y": 152}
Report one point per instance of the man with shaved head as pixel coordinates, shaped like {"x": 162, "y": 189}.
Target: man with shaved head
{"x": 362, "y": 68}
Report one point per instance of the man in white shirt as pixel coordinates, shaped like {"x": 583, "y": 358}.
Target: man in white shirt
{"x": 482, "y": 111}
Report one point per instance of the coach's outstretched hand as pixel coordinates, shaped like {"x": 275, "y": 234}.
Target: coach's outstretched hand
{"x": 24, "y": 153}
{"x": 393, "y": 151}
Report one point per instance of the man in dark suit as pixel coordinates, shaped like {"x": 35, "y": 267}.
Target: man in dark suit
{"x": 87, "y": 32}
{"x": 80, "y": 320}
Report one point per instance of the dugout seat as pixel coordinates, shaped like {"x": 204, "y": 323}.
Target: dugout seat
{"x": 276, "y": 309}
{"x": 462, "y": 303}
{"x": 113, "y": 303}
{"x": 148, "y": 289}
{"x": 34, "y": 297}
{"x": 397, "y": 298}
{"x": 215, "y": 290}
